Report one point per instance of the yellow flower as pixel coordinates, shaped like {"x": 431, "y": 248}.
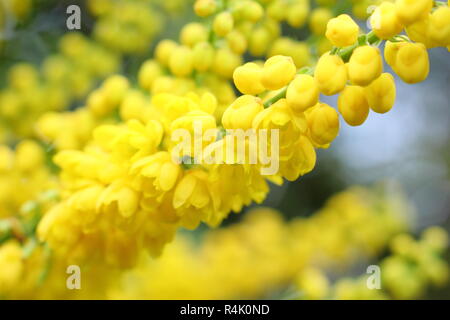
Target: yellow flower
{"x": 29, "y": 155}
{"x": 381, "y": 93}
{"x": 323, "y": 123}
{"x": 353, "y": 106}
{"x": 193, "y": 33}
{"x": 410, "y": 11}
{"x": 312, "y": 284}
{"x": 297, "y": 13}
{"x": 181, "y": 61}
{"x": 342, "y": 31}
{"x": 156, "y": 174}
{"x": 148, "y": 73}
{"x": 301, "y": 162}
{"x": 194, "y": 200}
{"x": 330, "y": 74}
{"x": 203, "y": 56}
{"x": 410, "y": 62}
{"x": 384, "y": 21}
{"x": 223, "y": 23}
{"x": 277, "y": 72}
{"x": 205, "y": 8}
{"x": 319, "y": 19}
{"x": 365, "y": 65}
{"x": 237, "y": 42}
{"x": 439, "y": 26}
{"x": 289, "y": 125}
{"x": 11, "y": 266}
{"x": 302, "y": 93}
{"x": 225, "y": 62}
{"x": 164, "y": 50}
{"x": 247, "y": 78}
{"x": 240, "y": 114}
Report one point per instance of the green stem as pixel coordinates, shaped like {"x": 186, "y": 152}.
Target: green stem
{"x": 275, "y": 98}
{"x": 282, "y": 93}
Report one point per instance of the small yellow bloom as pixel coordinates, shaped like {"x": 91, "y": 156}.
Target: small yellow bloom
{"x": 193, "y": 33}
{"x": 203, "y": 56}
{"x": 323, "y": 123}
{"x": 181, "y": 61}
{"x": 237, "y": 41}
{"x": 381, "y": 93}
{"x": 223, "y": 23}
{"x": 302, "y": 93}
{"x": 330, "y": 74}
{"x": 240, "y": 114}
{"x": 384, "y": 21}
{"x": 410, "y": 11}
{"x": 342, "y": 31}
{"x": 205, "y": 8}
{"x": 278, "y": 71}
{"x": 439, "y": 26}
{"x": 164, "y": 50}
{"x": 353, "y": 106}
{"x": 411, "y": 62}
{"x": 297, "y": 14}
{"x": 319, "y": 19}
{"x": 247, "y": 78}
{"x": 365, "y": 65}
{"x": 148, "y": 73}
{"x": 225, "y": 62}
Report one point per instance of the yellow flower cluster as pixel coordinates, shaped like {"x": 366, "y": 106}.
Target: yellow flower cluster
{"x": 222, "y": 266}
{"x": 120, "y": 190}
{"x": 123, "y": 189}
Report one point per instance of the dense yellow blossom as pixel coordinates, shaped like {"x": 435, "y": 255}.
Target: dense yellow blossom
{"x": 91, "y": 171}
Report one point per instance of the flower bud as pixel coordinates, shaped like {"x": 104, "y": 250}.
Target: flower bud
{"x": 223, "y": 23}
{"x": 410, "y": 11}
{"x": 193, "y": 33}
{"x": 330, "y": 74}
{"x": 278, "y": 71}
{"x": 319, "y": 19}
{"x": 380, "y": 94}
{"x": 259, "y": 41}
{"x": 297, "y": 14}
{"x": 439, "y": 26}
{"x": 323, "y": 123}
{"x": 411, "y": 63}
{"x": 237, "y": 42}
{"x": 353, "y": 106}
{"x": 240, "y": 114}
{"x": 163, "y": 51}
{"x": 252, "y": 10}
{"x": 181, "y": 61}
{"x": 342, "y": 31}
{"x": 365, "y": 65}
{"x": 247, "y": 78}
{"x": 149, "y": 71}
{"x": 203, "y": 56}
{"x": 205, "y": 8}
{"x": 302, "y": 93}
{"x": 225, "y": 62}
{"x": 418, "y": 32}
{"x": 384, "y": 21}
{"x": 391, "y": 50}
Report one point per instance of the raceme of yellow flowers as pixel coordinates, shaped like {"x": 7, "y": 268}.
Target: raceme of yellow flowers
{"x": 119, "y": 191}
{"x": 123, "y": 192}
